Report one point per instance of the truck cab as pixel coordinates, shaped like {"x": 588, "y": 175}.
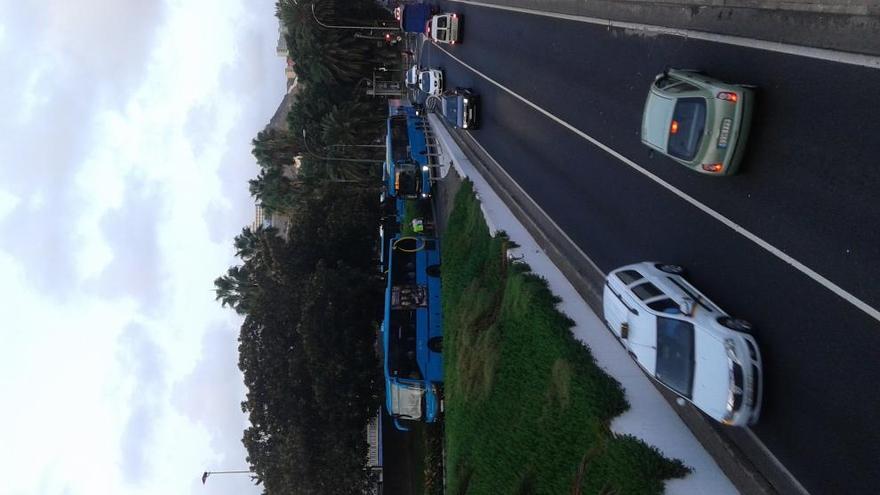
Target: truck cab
{"x": 414, "y": 16}
{"x": 444, "y": 28}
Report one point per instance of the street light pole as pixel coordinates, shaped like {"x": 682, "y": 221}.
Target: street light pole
{"x": 328, "y": 26}
{"x": 209, "y": 473}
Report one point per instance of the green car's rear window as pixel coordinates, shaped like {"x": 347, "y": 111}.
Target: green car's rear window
{"x": 686, "y": 128}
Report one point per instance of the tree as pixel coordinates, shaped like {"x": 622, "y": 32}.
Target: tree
{"x": 310, "y": 302}
{"x": 274, "y": 148}
{"x": 274, "y": 190}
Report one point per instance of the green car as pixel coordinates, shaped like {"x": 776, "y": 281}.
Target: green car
{"x": 698, "y": 121}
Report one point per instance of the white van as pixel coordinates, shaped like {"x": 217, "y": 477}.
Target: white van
{"x": 444, "y": 28}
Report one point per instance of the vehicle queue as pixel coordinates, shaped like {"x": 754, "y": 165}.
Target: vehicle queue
{"x": 676, "y": 334}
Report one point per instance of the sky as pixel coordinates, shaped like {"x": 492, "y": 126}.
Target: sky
{"x": 124, "y": 158}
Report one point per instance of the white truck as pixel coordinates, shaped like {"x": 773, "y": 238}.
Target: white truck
{"x": 445, "y": 28}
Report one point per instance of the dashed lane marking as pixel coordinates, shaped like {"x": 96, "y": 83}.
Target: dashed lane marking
{"x": 828, "y": 284}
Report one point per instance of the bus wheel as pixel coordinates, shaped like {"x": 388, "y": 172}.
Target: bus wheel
{"x": 433, "y": 271}
{"x": 436, "y": 344}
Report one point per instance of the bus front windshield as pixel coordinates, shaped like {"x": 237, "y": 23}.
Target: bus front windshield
{"x": 406, "y": 400}
{"x": 407, "y": 180}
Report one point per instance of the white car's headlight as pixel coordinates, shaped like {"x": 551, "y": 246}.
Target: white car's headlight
{"x": 730, "y": 347}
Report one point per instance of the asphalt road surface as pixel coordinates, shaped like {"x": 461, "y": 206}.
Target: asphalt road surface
{"x": 808, "y": 186}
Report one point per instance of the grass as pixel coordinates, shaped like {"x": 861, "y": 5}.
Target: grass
{"x": 527, "y": 407}
{"x": 420, "y": 457}
{"x": 433, "y": 468}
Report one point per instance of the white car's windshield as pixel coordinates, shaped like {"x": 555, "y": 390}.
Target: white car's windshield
{"x": 675, "y": 354}
{"x": 426, "y": 82}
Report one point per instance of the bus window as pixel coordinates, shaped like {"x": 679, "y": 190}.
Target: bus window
{"x": 402, "y": 356}
{"x": 399, "y": 138}
{"x": 409, "y": 296}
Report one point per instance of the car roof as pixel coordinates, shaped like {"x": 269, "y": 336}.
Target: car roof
{"x": 658, "y": 115}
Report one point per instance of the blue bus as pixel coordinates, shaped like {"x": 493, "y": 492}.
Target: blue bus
{"x": 412, "y": 331}
{"x": 392, "y": 209}
{"x": 407, "y": 170}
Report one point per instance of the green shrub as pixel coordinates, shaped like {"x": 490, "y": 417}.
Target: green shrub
{"x": 527, "y": 409}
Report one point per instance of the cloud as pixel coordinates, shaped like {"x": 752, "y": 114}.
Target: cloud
{"x": 136, "y": 437}
{"x": 130, "y": 231}
{"x": 125, "y": 158}
{"x": 62, "y": 63}
{"x": 203, "y": 395}
{"x": 142, "y": 358}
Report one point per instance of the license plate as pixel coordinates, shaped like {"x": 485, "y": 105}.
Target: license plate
{"x": 724, "y": 135}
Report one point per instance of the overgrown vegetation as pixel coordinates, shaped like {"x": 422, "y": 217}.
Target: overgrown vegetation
{"x": 433, "y": 456}
{"x": 527, "y": 407}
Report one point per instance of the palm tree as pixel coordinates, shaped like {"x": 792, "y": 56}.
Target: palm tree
{"x": 274, "y": 147}
{"x": 246, "y": 242}
{"x": 236, "y": 289}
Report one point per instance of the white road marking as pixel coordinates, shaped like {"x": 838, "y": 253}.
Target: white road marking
{"x": 794, "y": 481}
{"x": 850, "y": 58}
{"x": 828, "y": 284}
{"x": 752, "y": 436}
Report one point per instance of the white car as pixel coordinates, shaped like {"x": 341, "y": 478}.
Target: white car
{"x": 686, "y": 342}
{"x": 412, "y": 76}
{"x": 431, "y": 81}
{"x": 444, "y": 28}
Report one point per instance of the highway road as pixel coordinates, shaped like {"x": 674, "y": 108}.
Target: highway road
{"x": 808, "y": 187}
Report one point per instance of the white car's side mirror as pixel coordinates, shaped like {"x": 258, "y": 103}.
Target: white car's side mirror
{"x": 686, "y": 306}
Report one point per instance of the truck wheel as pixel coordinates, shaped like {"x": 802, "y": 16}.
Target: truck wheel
{"x": 435, "y": 344}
